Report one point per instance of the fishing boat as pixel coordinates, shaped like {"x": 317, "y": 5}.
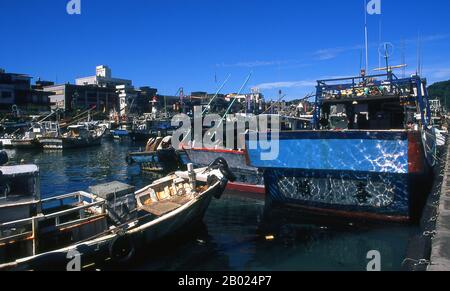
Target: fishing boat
{"x": 6, "y": 141}
{"x": 120, "y": 134}
{"x": 111, "y": 223}
{"x": 159, "y": 156}
{"x": 77, "y": 136}
{"x": 30, "y": 139}
{"x": 14, "y": 126}
{"x": 248, "y": 178}
{"x": 375, "y": 163}
{"x": 143, "y": 130}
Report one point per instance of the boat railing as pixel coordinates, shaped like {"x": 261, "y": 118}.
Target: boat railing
{"x": 29, "y": 228}
{"x": 366, "y": 86}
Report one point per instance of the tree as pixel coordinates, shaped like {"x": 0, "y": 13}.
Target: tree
{"x": 441, "y": 90}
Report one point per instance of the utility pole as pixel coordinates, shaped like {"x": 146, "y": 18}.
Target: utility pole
{"x": 165, "y": 106}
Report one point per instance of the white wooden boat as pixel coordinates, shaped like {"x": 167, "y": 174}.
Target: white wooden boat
{"x": 111, "y": 224}
{"x": 6, "y": 142}
{"x": 78, "y": 136}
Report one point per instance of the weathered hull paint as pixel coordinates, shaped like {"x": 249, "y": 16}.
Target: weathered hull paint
{"x": 97, "y": 249}
{"x": 25, "y": 144}
{"x": 69, "y": 143}
{"x": 370, "y": 175}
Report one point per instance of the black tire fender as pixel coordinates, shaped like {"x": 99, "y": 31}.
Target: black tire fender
{"x": 222, "y": 185}
{"x": 122, "y": 248}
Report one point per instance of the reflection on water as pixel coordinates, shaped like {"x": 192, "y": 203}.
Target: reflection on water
{"x": 74, "y": 170}
{"x": 237, "y": 234}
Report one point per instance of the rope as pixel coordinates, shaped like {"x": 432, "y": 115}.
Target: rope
{"x": 421, "y": 262}
{"x": 429, "y": 234}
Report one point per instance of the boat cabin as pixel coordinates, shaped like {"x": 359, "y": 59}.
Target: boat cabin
{"x": 380, "y": 102}
{"x": 19, "y": 192}
{"x": 77, "y": 131}
{"x": 51, "y": 129}
{"x": 30, "y": 225}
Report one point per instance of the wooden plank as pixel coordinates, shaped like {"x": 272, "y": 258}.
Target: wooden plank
{"x": 161, "y": 208}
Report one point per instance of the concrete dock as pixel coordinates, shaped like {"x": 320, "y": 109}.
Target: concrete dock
{"x": 440, "y": 252}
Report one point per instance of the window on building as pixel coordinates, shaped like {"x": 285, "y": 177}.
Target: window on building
{"x": 6, "y": 94}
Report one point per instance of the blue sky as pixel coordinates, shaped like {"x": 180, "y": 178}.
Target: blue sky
{"x": 169, "y": 44}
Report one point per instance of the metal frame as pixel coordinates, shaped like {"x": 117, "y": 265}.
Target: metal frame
{"x": 33, "y": 222}
{"x": 422, "y": 98}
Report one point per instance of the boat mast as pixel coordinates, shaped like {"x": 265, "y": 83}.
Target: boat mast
{"x": 235, "y": 98}
{"x": 366, "y": 36}
{"x": 215, "y": 95}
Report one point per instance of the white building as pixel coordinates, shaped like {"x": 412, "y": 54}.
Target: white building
{"x": 255, "y": 97}
{"x": 127, "y": 95}
{"x": 103, "y": 78}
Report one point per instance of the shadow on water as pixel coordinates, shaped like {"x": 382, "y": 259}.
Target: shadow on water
{"x": 237, "y": 233}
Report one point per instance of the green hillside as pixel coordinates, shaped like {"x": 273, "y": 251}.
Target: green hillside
{"x": 441, "y": 90}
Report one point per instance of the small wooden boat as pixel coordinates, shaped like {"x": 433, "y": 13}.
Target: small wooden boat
{"x": 112, "y": 223}
{"x": 38, "y": 130}
{"x": 120, "y": 134}
{"x": 78, "y": 136}
{"x": 29, "y": 141}
{"x": 6, "y": 142}
{"x": 159, "y": 156}
{"x": 143, "y": 130}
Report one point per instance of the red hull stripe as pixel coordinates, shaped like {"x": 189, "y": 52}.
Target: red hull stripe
{"x": 222, "y": 151}
{"x": 355, "y": 215}
{"x": 415, "y": 154}
{"x": 240, "y": 187}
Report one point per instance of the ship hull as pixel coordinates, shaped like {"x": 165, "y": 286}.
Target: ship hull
{"x": 361, "y": 195}
{"x": 69, "y": 143}
{"x": 381, "y": 175}
{"x": 141, "y": 136}
{"x": 25, "y": 144}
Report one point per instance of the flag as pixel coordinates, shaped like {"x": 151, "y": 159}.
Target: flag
{"x": 374, "y": 7}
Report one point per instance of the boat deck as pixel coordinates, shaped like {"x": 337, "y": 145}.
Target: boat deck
{"x": 161, "y": 208}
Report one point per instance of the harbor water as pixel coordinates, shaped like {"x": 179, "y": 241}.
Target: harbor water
{"x": 238, "y": 233}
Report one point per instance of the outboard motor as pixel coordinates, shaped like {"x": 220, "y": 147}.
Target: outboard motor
{"x": 222, "y": 165}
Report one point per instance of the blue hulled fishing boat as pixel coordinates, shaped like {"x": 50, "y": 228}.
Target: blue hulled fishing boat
{"x": 371, "y": 155}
